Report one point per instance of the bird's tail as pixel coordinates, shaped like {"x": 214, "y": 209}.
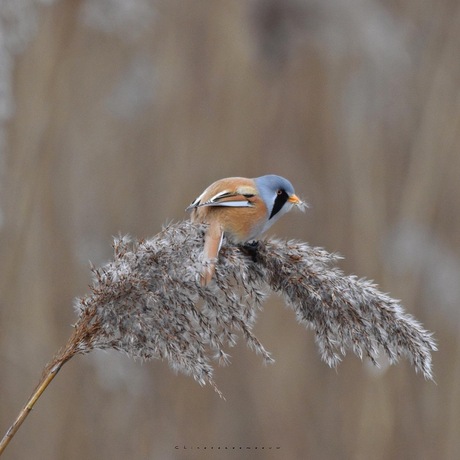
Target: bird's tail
{"x": 212, "y": 244}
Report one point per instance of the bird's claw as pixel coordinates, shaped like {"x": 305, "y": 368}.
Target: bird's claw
{"x": 251, "y": 249}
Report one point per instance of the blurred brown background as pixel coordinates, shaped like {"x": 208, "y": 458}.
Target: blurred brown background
{"x": 115, "y": 114}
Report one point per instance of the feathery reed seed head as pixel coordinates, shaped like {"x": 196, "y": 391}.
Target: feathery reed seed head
{"x": 148, "y": 303}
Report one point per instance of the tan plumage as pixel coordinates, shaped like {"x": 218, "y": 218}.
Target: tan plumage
{"x": 237, "y": 207}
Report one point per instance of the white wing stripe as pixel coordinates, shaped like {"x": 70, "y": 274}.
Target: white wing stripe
{"x": 220, "y": 195}
{"x": 231, "y": 204}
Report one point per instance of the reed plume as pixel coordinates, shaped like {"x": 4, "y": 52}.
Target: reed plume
{"x": 148, "y": 303}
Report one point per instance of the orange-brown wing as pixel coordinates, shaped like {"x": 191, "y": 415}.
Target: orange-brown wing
{"x": 230, "y": 192}
{"x": 229, "y": 199}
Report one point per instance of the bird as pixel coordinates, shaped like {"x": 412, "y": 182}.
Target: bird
{"x": 241, "y": 209}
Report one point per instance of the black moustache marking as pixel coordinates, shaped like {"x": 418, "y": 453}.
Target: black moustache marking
{"x": 280, "y": 201}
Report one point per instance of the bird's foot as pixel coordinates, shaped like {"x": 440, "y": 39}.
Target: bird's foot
{"x": 251, "y": 249}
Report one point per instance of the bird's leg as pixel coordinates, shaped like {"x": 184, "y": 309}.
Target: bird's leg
{"x": 251, "y": 249}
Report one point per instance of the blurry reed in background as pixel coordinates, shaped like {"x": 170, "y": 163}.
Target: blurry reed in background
{"x": 113, "y": 115}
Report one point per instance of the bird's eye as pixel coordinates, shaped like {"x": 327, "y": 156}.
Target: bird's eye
{"x": 279, "y": 192}
{"x": 248, "y": 195}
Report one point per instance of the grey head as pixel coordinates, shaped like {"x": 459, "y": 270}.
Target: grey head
{"x": 278, "y": 195}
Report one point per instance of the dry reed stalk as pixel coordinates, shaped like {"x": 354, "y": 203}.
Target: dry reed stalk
{"x": 145, "y": 303}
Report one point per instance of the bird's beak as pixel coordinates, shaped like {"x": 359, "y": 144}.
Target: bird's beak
{"x": 294, "y": 199}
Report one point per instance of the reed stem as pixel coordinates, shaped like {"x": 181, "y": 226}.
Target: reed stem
{"x": 47, "y": 378}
